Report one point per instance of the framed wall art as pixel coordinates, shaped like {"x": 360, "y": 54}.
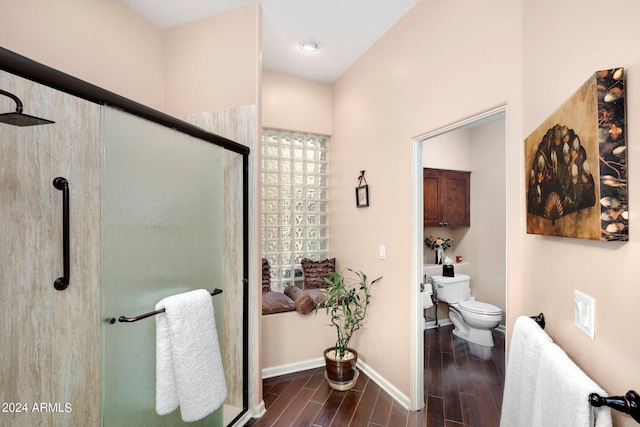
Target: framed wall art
{"x": 362, "y": 196}
{"x": 362, "y": 192}
{"x": 576, "y": 165}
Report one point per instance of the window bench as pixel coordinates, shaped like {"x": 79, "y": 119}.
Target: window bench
{"x": 292, "y": 299}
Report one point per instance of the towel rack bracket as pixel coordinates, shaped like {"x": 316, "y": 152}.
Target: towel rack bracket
{"x": 627, "y": 403}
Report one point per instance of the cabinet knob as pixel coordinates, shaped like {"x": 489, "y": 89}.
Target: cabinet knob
{"x": 443, "y": 224}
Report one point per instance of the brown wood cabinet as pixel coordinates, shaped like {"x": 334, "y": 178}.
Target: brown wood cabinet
{"x": 446, "y": 198}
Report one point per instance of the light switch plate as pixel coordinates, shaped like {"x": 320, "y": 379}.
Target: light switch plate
{"x": 584, "y": 313}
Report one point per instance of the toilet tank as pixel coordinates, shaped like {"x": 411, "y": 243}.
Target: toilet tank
{"x": 452, "y": 289}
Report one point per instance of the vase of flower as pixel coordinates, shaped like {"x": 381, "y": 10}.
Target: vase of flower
{"x": 438, "y": 245}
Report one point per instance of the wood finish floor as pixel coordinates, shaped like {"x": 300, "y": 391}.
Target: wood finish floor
{"x": 463, "y": 387}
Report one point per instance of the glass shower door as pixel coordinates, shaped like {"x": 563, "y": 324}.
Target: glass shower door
{"x": 171, "y": 223}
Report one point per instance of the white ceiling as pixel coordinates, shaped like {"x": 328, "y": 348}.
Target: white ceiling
{"x": 344, "y": 28}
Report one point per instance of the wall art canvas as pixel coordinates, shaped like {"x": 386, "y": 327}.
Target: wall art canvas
{"x": 576, "y": 165}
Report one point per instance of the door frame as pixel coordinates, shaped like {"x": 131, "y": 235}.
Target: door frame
{"x": 417, "y": 345}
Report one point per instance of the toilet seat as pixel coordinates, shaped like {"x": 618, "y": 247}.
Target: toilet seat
{"x": 479, "y": 307}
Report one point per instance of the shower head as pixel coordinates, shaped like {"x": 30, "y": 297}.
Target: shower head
{"x": 18, "y": 118}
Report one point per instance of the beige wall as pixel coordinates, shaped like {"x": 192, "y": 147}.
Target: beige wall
{"x": 183, "y": 70}
{"x": 214, "y": 63}
{"x": 555, "y": 266}
{"x": 291, "y": 338}
{"x": 487, "y": 234}
{"x": 451, "y": 150}
{"x": 436, "y": 66}
{"x": 102, "y": 42}
{"x": 396, "y": 91}
{"x": 295, "y": 104}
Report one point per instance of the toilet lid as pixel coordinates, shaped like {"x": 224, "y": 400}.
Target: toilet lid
{"x": 479, "y": 307}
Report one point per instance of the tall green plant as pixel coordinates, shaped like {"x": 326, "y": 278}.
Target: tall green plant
{"x": 346, "y": 304}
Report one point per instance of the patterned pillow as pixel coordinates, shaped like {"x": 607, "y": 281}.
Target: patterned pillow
{"x": 316, "y": 271}
{"x": 266, "y": 275}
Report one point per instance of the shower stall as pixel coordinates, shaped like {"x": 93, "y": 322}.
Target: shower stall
{"x": 143, "y": 206}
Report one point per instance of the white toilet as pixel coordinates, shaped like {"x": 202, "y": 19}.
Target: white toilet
{"x": 473, "y": 320}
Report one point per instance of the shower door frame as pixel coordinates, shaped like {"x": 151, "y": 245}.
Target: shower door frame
{"x": 19, "y": 65}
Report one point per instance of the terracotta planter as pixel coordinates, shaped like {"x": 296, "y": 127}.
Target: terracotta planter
{"x": 341, "y": 374}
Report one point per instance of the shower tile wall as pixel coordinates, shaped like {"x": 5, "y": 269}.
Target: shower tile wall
{"x": 49, "y": 339}
{"x": 237, "y": 124}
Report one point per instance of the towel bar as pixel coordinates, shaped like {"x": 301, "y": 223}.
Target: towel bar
{"x": 539, "y": 320}
{"x": 112, "y": 320}
{"x": 627, "y": 403}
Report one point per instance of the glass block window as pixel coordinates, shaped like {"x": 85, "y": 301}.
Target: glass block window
{"x": 295, "y": 186}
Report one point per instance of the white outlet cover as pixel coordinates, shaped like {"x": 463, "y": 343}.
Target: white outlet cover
{"x": 584, "y": 313}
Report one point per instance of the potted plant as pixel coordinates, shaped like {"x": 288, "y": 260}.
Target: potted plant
{"x": 347, "y": 299}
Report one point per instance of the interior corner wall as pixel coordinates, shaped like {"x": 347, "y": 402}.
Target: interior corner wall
{"x": 435, "y": 67}
{"x": 558, "y": 59}
{"x": 295, "y": 104}
{"x": 299, "y": 105}
{"x": 105, "y": 43}
{"x": 214, "y": 63}
{"x": 487, "y": 233}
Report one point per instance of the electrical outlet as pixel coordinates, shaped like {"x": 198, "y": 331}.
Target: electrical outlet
{"x": 584, "y": 313}
{"x": 383, "y": 254}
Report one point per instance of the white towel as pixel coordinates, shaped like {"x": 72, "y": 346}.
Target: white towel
{"x": 426, "y": 300}
{"x": 527, "y": 344}
{"x": 562, "y": 394}
{"x": 189, "y": 370}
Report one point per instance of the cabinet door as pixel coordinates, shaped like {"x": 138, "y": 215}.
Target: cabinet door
{"x": 454, "y": 197}
{"x": 446, "y": 198}
{"x": 431, "y": 188}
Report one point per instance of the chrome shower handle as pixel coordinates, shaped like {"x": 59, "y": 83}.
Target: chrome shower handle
{"x": 62, "y": 184}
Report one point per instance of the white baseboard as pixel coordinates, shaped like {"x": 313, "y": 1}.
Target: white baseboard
{"x": 276, "y": 371}
{"x": 259, "y": 410}
{"x": 442, "y": 322}
{"x": 394, "y": 392}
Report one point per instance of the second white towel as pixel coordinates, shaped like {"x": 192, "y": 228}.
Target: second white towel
{"x": 189, "y": 371}
{"x": 527, "y": 344}
{"x": 562, "y": 394}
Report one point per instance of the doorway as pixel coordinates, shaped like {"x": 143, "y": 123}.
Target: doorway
{"x": 478, "y": 145}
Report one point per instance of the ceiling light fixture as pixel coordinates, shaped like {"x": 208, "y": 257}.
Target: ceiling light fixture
{"x": 309, "y": 45}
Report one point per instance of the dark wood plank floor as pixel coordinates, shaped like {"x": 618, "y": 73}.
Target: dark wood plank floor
{"x": 463, "y": 387}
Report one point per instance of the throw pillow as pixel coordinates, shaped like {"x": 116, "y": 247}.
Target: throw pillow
{"x": 316, "y": 271}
